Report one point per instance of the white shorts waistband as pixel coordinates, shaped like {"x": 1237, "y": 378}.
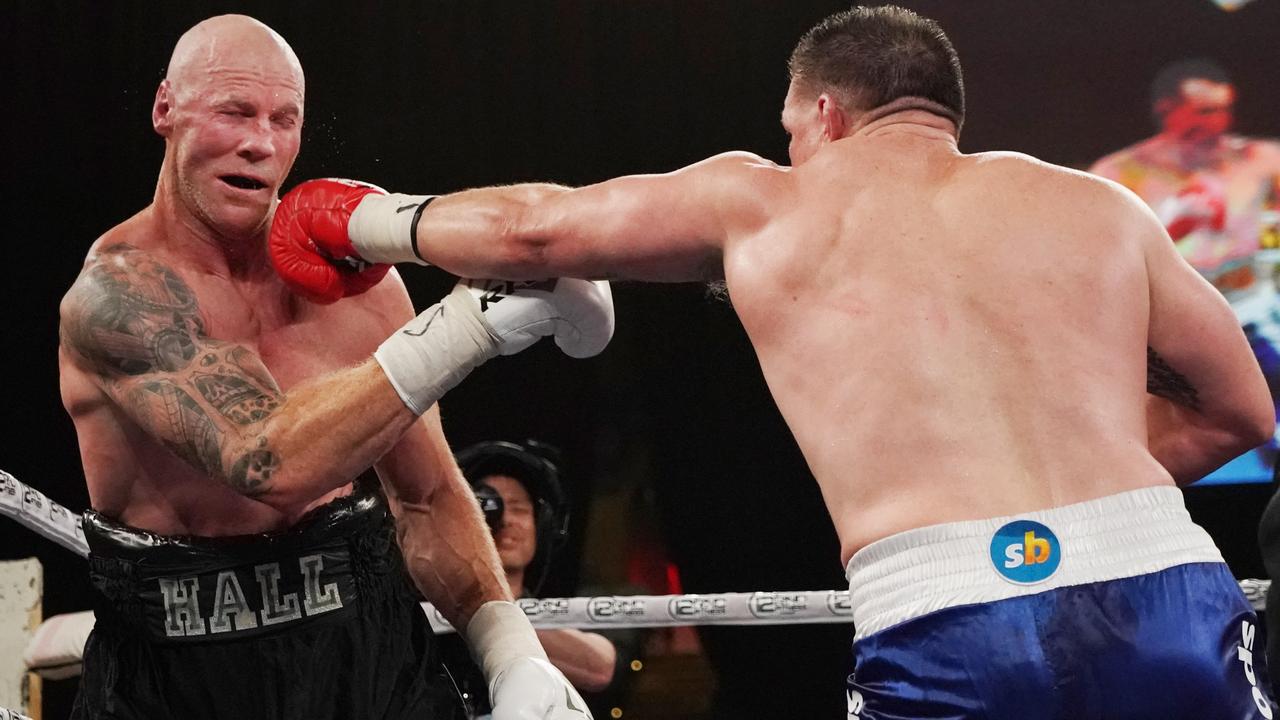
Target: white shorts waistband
{"x": 913, "y": 573}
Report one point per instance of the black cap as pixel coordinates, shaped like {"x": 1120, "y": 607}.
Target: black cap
{"x": 499, "y": 457}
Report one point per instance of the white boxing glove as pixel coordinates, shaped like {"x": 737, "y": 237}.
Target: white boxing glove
{"x": 483, "y": 318}
{"x": 523, "y": 684}
{"x": 579, "y": 313}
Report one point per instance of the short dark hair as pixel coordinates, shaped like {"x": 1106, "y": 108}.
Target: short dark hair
{"x": 871, "y": 56}
{"x": 1168, "y": 82}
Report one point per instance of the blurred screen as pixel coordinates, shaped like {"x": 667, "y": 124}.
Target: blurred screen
{"x": 1217, "y": 193}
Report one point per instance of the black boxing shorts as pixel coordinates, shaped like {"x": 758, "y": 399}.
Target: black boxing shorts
{"x": 319, "y": 621}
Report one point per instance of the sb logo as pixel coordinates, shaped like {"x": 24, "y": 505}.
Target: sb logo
{"x": 1025, "y": 552}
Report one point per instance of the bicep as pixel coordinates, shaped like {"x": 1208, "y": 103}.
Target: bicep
{"x": 135, "y": 328}
{"x": 643, "y": 227}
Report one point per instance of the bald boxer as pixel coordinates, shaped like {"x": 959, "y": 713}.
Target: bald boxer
{"x": 222, "y": 420}
{"x": 998, "y": 370}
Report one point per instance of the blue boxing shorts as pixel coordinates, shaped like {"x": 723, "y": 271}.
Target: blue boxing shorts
{"x": 1117, "y": 608}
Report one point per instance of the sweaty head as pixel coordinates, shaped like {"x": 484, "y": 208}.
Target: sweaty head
{"x": 230, "y": 110}
{"x": 1193, "y": 100}
{"x": 866, "y": 58}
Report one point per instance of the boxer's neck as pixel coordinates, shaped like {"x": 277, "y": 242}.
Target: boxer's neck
{"x": 187, "y": 234}
{"x": 915, "y": 122}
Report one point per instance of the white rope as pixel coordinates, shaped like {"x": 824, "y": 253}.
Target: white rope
{"x": 32, "y": 509}
{"x": 57, "y": 647}
{"x": 36, "y": 512}
{"x": 640, "y": 611}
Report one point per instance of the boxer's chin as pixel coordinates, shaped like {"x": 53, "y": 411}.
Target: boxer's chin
{"x": 237, "y": 220}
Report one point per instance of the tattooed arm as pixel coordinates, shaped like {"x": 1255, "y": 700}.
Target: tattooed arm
{"x": 135, "y": 328}
{"x": 1207, "y": 400}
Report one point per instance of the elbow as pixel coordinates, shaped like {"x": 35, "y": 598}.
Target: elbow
{"x": 1258, "y": 425}
{"x": 595, "y": 683}
{"x": 597, "y": 678}
{"x": 257, "y": 473}
{"x": 1245, "y": 434}
{"x": 601, "y": 673}
{"x": 522, "y": 249}
{"x": 588, "y": 660}
{"x": 525, "y": 233}
{"x": 1239, "y": 427}
{"x": 1261, "y": 431}
{"x": 524, "y": 257}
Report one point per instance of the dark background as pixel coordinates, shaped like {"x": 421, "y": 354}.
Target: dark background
{"x": 438, "y": 96}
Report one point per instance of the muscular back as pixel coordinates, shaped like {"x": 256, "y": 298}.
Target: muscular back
{"x": 950, "y": 337}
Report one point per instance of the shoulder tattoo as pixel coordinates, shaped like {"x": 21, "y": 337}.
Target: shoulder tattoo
{"x": 130, "y": 315}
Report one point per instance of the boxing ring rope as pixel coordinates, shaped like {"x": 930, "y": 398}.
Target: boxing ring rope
{"x": 59, "y": 641}
{"x": 32, "y": 509}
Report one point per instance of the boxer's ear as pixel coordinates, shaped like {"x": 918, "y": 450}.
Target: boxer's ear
{"x": 835, "y": 122}
{"x": 162, "y": 109}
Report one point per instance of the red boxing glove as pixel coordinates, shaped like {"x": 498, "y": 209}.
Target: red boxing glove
{"x": 1201, "y": 203}
{"x": 309, "y": 246}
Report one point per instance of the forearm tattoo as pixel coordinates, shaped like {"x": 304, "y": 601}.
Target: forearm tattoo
{"x": 1163, "y": 381}
{"x": 139, "y": 327}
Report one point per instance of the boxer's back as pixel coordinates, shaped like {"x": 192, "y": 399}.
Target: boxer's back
{"x": 950, "y": 337}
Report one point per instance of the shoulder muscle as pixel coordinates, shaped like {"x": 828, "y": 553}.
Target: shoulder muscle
{"x": 128, "y": 314}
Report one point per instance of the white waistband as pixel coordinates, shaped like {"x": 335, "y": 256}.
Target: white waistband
{"x": 920, "y": 571}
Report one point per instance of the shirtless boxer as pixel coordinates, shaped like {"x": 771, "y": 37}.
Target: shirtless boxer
{"x": 960, "y": 345}
{"x": 222, "y": 420}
